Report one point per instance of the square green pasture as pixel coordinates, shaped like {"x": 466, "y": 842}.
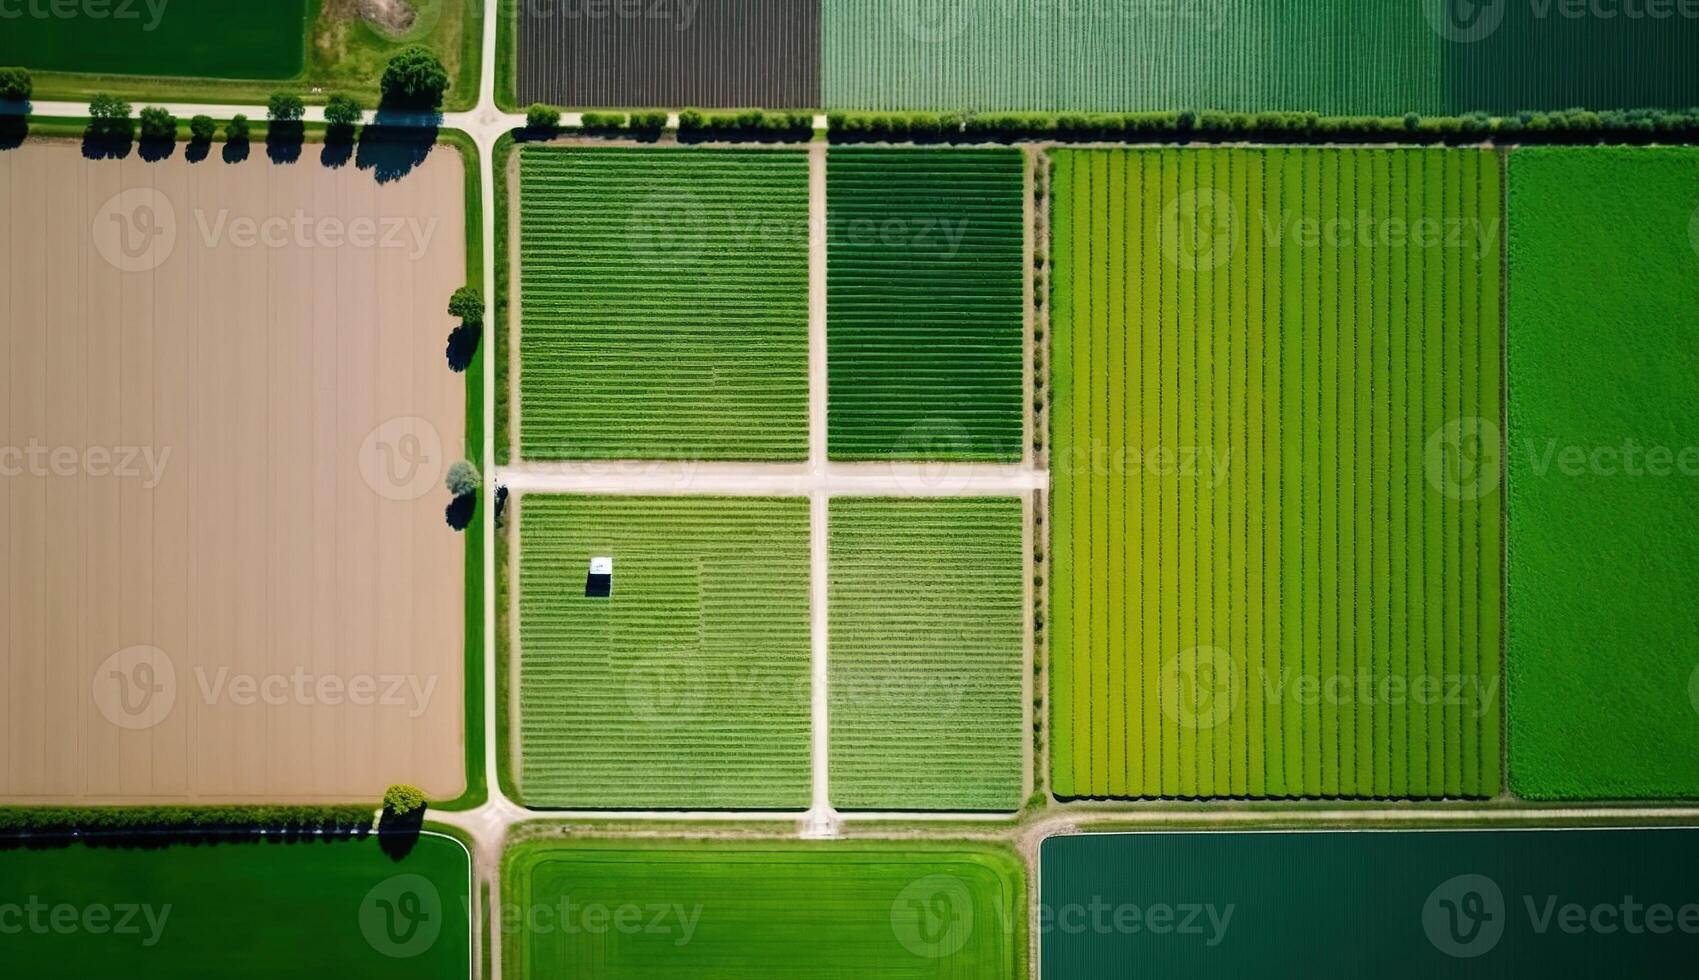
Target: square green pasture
{"x": 688, "y": 687}
{"x": 924, "y": 298}
{"x": 927, "y": 629}
{"x": 663, "y": 303}
{"x": 179, "y": 38}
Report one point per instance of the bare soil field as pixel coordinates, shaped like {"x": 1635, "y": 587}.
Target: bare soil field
{"x": 225, "y": 414}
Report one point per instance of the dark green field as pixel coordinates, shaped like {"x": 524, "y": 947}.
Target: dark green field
{"x": 200, "y": 38}
{"x": 1604, "y": 473}
{"x": 297, "y": 909}
{"x": 924, "y": 304}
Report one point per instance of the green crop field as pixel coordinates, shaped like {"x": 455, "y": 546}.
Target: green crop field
{"x": 304, "y": 908}
{"x": 924, "y": 284}
{"x": 663, "y": 303}
{"x": 927, "y": 619}
{"x": 1276, "y": 526}
{"x": 208, "y": 38}
{"x": 1604, "y": 473}
{"x": 689, "y": 686}
{"x": 1250, "y": 56}
{"x": 617, "y": 911}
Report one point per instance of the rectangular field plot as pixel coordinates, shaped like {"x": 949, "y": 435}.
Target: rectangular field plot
{"x": 183, "y": 38}
{"x": 1399, "y": 905}
{"x": 924, "y": 292}
{"x": 767, "y": 910}
{"x": 1276, "y": 533}
{"x": 688, "y": 687}
{"x": 340, "y": 908}
{"x": 708, "y": 53}
{"x": 1604, "y": 473}
{"x": 664, "y": 303}
{"x": 927, "y": 604}
{"x": 225, "y": 418}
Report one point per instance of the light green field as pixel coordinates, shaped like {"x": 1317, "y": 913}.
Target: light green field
{"x": 664, "y": 304}
{"x": 912, "y": 911}
{"x": 689, "y": 686}
{"x": 927, "y": 604}
{"x": 1276, "y": 514}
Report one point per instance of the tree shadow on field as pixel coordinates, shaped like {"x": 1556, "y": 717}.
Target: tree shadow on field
{"x": 392, "y": 151}
{"x": 236, "y": 151}
{"x": 461, "y": 510}
{"x": 398, "y": 835}
{"x": 463, "y": 346}
{"x": 13, "y": 131}
{"x": 154, "y": 151}
{"x": 197, "y": 150}
{"x": 283, "y": 142}
{"x": 105, "y": 146}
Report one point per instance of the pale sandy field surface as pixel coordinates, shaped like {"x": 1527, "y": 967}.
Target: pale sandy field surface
{"x": 225, "y": 573}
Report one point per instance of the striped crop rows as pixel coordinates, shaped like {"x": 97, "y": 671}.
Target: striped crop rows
{"x": 689, "y": 686}
{"x": 927, "y": 624}
{"x": 664, "y": 304}
{"x": 924, "y": 290}
{"x": 1276, "y": 535}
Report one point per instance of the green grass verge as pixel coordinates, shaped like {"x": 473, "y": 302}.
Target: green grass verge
{"x": 688, "y": 688}
{"x": 927, "y": 653}
{"x": 328, "y": 907}
{"x": 751, "y": 910}
{"x": 1276, "y": 518}
{"x": 924, "y": 286}
{"x": 1604, "y": 473}
{"x": 664, "y": 300}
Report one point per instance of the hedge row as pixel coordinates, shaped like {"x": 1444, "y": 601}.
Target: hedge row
{"x": 749, "y": 124}
{"x": 1569, "y": 126}
{"x": 344, "y": 820}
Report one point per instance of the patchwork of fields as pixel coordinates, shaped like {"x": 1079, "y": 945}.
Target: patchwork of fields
{"x": 925, "y": 285}
{"x": 664, "y": 302}
{"x": 1276, "y": 542}
{"x": 760, "y": 910}
{"x": 1604, "y": 473}
{"x": 689, "y": 686}
{"x": 927, "y": 605}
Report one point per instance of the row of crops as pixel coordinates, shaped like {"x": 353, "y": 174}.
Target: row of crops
{"x": 1276, "y": 544}
{"x": 690, "y": 687}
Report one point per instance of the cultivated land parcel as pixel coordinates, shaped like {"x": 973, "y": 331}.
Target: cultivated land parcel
{"x": 1276, "y": 570}
{"x": 227, "y": 570}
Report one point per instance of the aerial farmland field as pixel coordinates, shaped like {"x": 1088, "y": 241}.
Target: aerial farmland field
{"x": 927, "y": 614}
{"x": 925, "y": 283}
{"x": 228, "y": 417}
{"x": 340, "y": 908}
{"x": 688, "y": 687}
{"x": 1603, "y": 470}
{"x": 664, "y": 300}
{"x": 760, "y": 910}
{"x": 210, "y": 38}
{"x": 1276, "y": 541}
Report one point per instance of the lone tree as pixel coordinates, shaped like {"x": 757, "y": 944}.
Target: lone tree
{"x": 15, "y": 85}
{"x": 342, "y": 110}
{"x": 542, "y": 118}
{"x": 158, "y": 125}
{"x": 110, "y": 116}
{"x": 284, "y": 107}
{"x": 402, "y": 799}
{"x": 236, "y": 130}
{"x": 467, "y": 304}
{"x": 415, "y": 79}
{"x": 463, "y": 479}
{"x": 202, "y": 129}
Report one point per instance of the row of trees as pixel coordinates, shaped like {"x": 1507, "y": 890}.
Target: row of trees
{"x": 402, "y": 810}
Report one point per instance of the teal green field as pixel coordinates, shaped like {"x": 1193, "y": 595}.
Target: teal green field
{"x": 688, "y": 687}
{"x": 1603, "y": 468}
{"x": 1275, "y": 532}
{"x": 663, "y": 304}
{"x": 924, "y": 314}
{"x": 303, "y": 908}
{"x": 927, "y": 631}
{"x": 200, "y": 38}
{"x": 911, "y": 911}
